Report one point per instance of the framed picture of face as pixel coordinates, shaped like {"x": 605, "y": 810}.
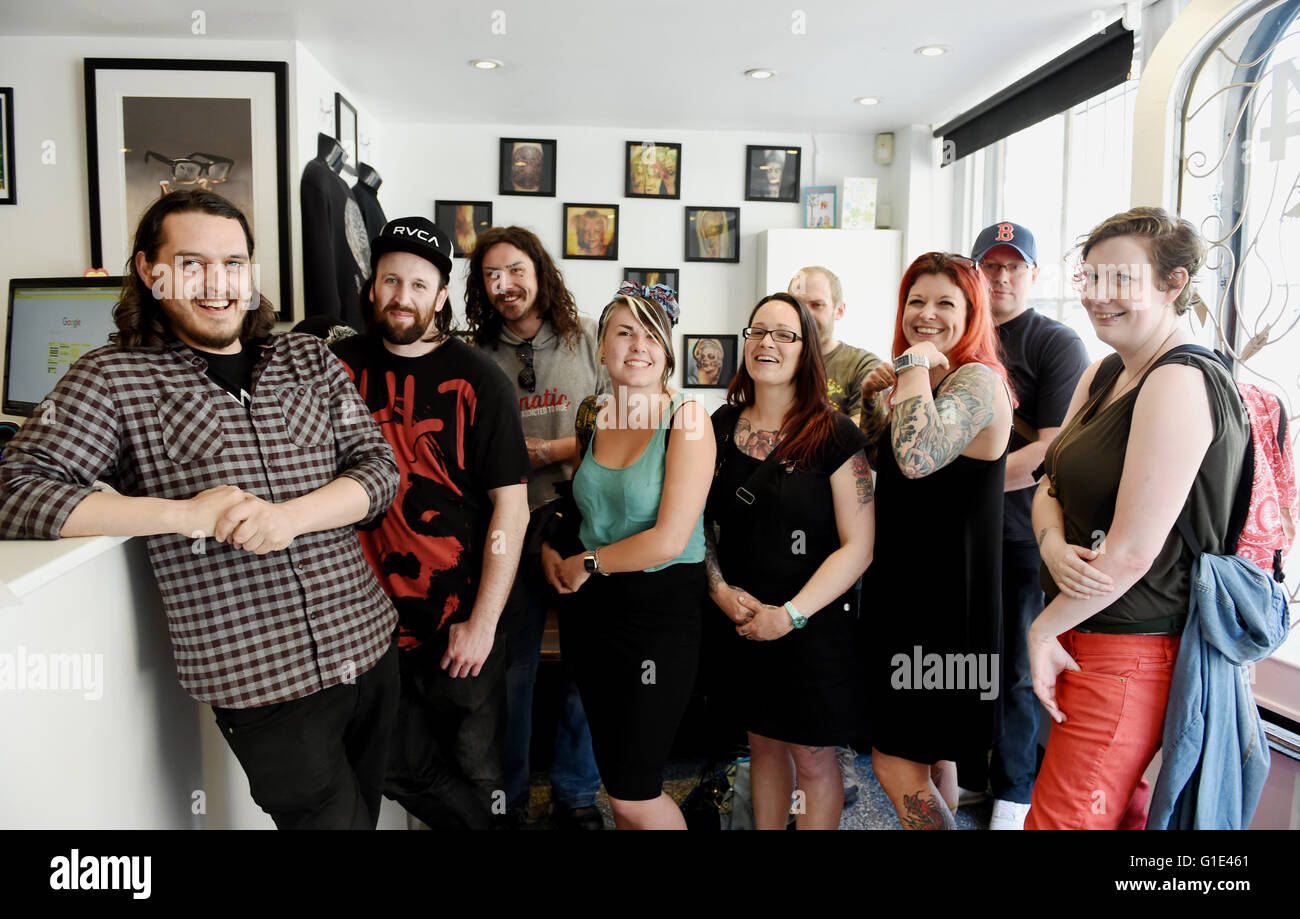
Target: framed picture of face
{"x": 652, "y": 170}
{"x": 464, "y": 220}
{"x": 819, "y": 206}
{"x": 649, "y": 277}
{"x": 527, "y": 167}
{"x": 345, "y": 131}
{"x": 772, "y": 173}
{"x": 157, "y": 125}
{"x": 712, "y": 234}
{"x": 709, "y": 361}
{"x": 591, "y": 231}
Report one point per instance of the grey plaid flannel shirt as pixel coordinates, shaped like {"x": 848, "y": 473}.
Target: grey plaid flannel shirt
{"x": 246, "y": 630}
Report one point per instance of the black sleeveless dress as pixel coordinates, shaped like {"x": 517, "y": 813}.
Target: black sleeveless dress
{"x": 932, "y": 613}
{"x": 805, "y": 687}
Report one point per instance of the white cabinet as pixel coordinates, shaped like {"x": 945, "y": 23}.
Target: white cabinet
{"x": 869, "y": 264}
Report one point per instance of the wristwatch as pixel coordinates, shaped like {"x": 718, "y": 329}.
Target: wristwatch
{"x": 591, "y": 562}
{"x": 910, "y": 360}
{"x": 797, "y": 619}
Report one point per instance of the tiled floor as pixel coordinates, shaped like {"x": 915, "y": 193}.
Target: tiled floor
{"x": 872, "y": 810}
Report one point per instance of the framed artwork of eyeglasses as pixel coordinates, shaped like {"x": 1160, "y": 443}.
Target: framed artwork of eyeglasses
{"x": 652, "y": 170}
{"x": 155, "y": 126}
{"x": 8, "y": 195}
{"x": 708, "y": 361}
{"x": 527, "y": 167}
{"x": 712, "y": 234}
{"x": 345, "y": 131}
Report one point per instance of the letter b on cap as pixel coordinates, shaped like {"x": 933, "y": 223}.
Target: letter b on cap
{"x": 1005, "y": 232}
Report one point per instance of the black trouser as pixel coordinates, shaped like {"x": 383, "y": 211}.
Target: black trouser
{"x": 444, "y": 763}
{"x": 318, "y": 762}
{"x": 1015, "y": 750}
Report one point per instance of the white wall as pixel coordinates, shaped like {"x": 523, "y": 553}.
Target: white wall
{"x": 423, "y": 163}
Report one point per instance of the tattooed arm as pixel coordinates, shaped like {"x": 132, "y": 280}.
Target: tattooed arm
{"x": 929, "y": 433}
{"x": 852, "y": 496}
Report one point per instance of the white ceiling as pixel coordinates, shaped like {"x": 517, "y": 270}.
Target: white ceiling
{"x": 661, "y": 63}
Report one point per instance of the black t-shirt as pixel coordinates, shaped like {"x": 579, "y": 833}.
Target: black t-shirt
{"x": 452, "y": 420}
{"x": 1044, "y": 359}
{"x": 234, "y": 372}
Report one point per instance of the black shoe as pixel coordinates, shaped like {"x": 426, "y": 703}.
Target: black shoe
{"x": 577, "y": 818}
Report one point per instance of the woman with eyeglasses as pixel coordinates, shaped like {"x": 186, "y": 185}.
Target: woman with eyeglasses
{"x": 792, "y": 503}
{"x": 931, "y": 604}
{"x": 632, "y": 634}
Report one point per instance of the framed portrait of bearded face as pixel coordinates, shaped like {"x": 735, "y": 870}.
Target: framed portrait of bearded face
{"x": 527, "y": 167}
{"x": 652, "y": 170}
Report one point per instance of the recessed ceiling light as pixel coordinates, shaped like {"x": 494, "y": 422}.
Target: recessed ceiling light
{"x": 486, "y": 64}
{"x": 759, "y": 74}
{"x": 932, "y": 50}
{"x": 867, "y": 100}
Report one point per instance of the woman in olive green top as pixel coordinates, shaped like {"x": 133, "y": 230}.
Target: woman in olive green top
{"x": 1147, "y": 433}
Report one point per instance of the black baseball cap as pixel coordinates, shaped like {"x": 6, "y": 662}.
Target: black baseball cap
{"x": 416, "y": 235}
{"x": 1005, "y": 233}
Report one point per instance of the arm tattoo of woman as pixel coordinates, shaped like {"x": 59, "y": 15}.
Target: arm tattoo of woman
{"x": 922, "y": 812}
{"x": 862, "y": 478}
{"x": 928, "y": 435}
{"x": 711, "y": 567}
{"x": 755, "y": 443}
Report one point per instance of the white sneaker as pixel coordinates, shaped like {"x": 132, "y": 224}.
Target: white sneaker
{"x": 1008, "y": 815}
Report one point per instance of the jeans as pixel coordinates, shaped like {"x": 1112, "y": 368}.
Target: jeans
{"x": 1114, "y": 707}
{"x": 444, "y": 761}
{"x": 318, "y": 762}
{"x": 574, "y": 778}
{"x": 1015, "y": 749}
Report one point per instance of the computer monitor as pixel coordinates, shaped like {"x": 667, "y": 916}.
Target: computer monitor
{"x": 51, "y": 323}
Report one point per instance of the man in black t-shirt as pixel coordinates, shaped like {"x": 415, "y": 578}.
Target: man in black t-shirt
{"x": 447, "y": 549}
{"x": 1044, "y": 359}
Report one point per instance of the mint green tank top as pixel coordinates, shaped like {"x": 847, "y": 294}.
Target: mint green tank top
{"x": 618, "y": 503}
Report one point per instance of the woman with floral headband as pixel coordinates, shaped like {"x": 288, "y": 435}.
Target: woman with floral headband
{"x": 632, "y": 634}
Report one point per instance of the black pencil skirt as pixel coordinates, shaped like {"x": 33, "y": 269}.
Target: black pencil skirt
{"x": 633, "y": 643}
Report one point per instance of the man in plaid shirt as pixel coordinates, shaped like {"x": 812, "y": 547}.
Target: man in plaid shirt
{"x": 245, "y": 458}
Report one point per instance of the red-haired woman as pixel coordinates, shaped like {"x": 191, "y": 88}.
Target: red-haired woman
{"x": 791, "y": 499}
{"x": 932, "y": 601}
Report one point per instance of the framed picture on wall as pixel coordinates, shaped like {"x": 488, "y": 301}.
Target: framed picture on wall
{"x": 157, "y": 125}
{"x": 649, "y": 277}
{"x": 652, "y": 170}
{"x": 819, "y": 206}
{"x": 708, "y": 361}
{"x": 8, "y": 194}
{"x": 345, "y": 131}
{"x": 772, "y": 173}
{"x": 712, "y": 234}
{"x": 464, "y": 220}
{"x": 591, "y": 231}
{"x": 527, "y": 167}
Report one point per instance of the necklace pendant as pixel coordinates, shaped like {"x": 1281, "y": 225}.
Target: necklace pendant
{"x": 1051, "y": 488}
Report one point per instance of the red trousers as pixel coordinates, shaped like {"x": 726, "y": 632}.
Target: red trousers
{"x": 1114, "y": 708}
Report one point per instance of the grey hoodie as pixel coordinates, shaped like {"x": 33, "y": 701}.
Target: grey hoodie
{"x": 565, "y": 376}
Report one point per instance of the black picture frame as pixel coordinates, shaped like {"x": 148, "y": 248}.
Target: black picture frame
{"x": 696, "y": 350}
{"x": 760, "y": 162}
{"x": 8, "y": 186}
{"x": 540, "y": 166}
{"x": 665, "y": 159}
{"x": 345, "y": 132}
{"x": 706, "y": 241}
{"x": 447, "y": 213}
{"x": 669, "y": 276}
{"x": 106, "y": 82}
{"x": 576, "y": 217}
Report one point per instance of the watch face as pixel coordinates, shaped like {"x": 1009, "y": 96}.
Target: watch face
{"x": 589, "y": 562}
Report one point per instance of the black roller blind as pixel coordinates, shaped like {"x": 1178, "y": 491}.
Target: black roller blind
{"x": 1089, "y": 68}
